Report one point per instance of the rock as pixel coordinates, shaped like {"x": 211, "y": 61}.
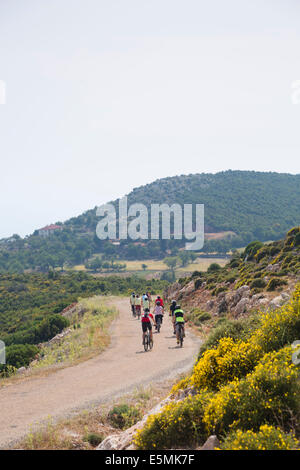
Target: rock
{"x": 21, "y": 370}
{"x": 210, "y": 304}
{"x": 242, "y": 306}
{"x": 243, "y": 291}
{"x": 223, "y": 307}
{"x": 273, "y": 268}
{"x": 211, "y": 443}
{"x": 276, "y": 302}
{"x": 123, "y": 440}
{"x": 285, "y": 296}
{"x": 190, "y": 287}
{"x": 33, "y": 363}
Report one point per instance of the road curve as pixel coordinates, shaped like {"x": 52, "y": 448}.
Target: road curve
{"x": 120, "y": 368}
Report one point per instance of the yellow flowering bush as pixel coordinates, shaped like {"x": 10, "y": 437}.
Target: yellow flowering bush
{"x": 279, "y": 327}
{"x": 270, "y": 394}
{"x": 249, "y": 385}
{"x": 267, "y": 438}
{"x": 229, "y": 361}
{"x": 178, "y": 424}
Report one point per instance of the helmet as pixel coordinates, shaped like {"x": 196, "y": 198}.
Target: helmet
{"x": 178, "y": 307}
{"x": 157, "y": 302}
{"x": 174, "y": 302}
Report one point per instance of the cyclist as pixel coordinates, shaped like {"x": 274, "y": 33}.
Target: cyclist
{"x": 146, "y": 303}
{"x": 149, "y": 297}
{"x": 160, "y": 300}
{"x": 132, "y": 302}
{"x": 172, "y": 309}
{"x": 147, "y": 320}
{"x": 179, "y": 319}
{"x": 138, "y": 303}
{"x": 158, "y": 313}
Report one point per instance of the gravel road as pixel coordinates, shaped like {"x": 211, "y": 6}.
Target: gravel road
{"x": 119, "y": 369}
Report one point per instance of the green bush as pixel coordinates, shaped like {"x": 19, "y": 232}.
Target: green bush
{"x": 19, "y": 355}
{"x": 235, "y": 329}
{"x": 214, "y": 267}
{"x": 274, "y": 283}
{"x": 123, "y": 416}
{"x": 198, "y": 283}
{"x": 94, "y": 438}
{"x": 258, "y": 283}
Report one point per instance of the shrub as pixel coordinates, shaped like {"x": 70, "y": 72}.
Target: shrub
{"x": 178, "y": 424}
{"x": 198, "y": 316}
{"x": 230, "y": 360}
{"x": 235, "y": 329}
{"x": 214, "y": 267}
{"x": 279, "y": 327}
{"x": 198, "y": 283}
{"x": 19, "y": 355}
{"x": 270, "y": 394}
{"x": 123, "y": 416}
{"x": 267, "y": 438}
{"x": 94, "y": 438}
{"x": 274, "y": 283}
{"x": 258, "y": 283}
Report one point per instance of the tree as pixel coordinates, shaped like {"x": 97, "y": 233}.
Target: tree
{"x": 144, "y": 266}
{"x": 171, "y": 262}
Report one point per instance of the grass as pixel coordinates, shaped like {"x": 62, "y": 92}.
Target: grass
{"x": 88, "y": 336}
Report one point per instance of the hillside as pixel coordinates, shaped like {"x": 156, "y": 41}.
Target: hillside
{"x": 263, "y": 276}
{"x": 240, "y": 205}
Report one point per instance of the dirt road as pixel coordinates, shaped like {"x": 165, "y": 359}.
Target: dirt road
{"x": 119, "y": 369}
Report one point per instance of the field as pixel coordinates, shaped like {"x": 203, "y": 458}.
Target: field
{"x": 134, "y": 267}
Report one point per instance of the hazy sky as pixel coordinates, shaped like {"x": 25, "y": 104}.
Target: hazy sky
{"x": 106, "y": 95}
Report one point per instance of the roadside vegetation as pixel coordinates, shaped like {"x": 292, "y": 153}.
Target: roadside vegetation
{"x": 31, "y": 305}
{"x": 245, "y": 386}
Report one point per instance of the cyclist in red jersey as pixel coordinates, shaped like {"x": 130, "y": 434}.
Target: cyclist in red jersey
{"x": 160, "y": 300}
{"x": 147, "y": 320}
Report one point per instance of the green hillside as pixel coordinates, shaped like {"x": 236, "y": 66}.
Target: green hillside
{"x": 250, "y": 204}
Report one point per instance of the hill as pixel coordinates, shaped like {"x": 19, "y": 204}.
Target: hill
{"x": 262, "y": 276}
{"x": 240, "y": 206}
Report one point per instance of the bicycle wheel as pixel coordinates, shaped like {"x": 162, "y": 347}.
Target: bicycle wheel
{"x": 158, "y": 325}
{"x": 146, "y": 342}
{"x": 181, "y": 337}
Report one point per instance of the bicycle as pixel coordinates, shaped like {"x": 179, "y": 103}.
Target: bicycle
{"x": 180, "y": 334}
{"x": 158, "y": 324}
{"x": 138, "y": 313}
{"x": 148, "y": 343}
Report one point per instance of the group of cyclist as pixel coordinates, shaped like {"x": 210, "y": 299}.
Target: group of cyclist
{"x": 141, "y": 306}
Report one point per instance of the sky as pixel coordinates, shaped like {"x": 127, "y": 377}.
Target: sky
{"x": 100, "y": 96}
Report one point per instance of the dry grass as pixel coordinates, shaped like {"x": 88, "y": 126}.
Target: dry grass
{"x": 83, "y": 342}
